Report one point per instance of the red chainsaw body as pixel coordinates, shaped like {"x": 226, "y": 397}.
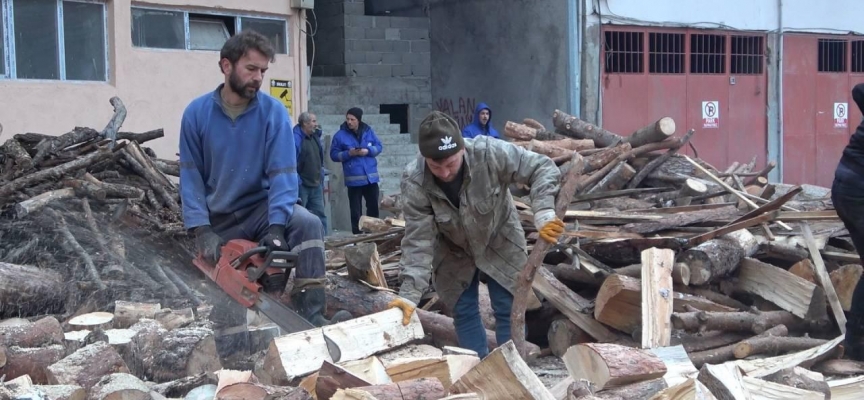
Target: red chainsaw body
{"x": 234, "y": 279}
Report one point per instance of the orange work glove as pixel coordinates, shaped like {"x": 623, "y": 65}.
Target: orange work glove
{"x": 406, "y": 307}
{"x": 549, "y": 225}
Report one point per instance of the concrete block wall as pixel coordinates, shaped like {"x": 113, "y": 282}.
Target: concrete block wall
{"x": 349, "y": 43}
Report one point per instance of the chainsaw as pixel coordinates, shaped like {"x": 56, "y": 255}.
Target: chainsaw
{"x": 253, "y": 275}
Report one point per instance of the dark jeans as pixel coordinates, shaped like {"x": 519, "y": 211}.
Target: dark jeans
{"x": 303, "y": 233}
{"x": 847, "y": 194}
{"x": 313, "y": 200}
{"x": 355, "y": 196}
{"x": 466, "y": 316}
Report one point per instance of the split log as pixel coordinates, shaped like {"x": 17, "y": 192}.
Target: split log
{"x": 758, "y": 368}
{"x": 616, "y": 179}
{"x": 356, "y": 339}
{"x": 689, "y": 390}
{"x": 173, "y": 319}
{"x": 56, "y": 392}
{"x": 45, "y": 331}
{"x": 563, "y": 334}
{"x": 370, "y": 369}
{"x": 619, "y": 303}
{"x": 789, "y": 292}
{"x": 34, "y": 362}
{"x": 417, "y": 389}
{"x": 578, "y": 129}
{"x": 775, "y": 345}
{"x": 345, "y": 294}
{"x": 86, "y": 366}
{"x": 656, "y": 297}
{"x": 658, "y": 131}
{"x": 823, "y": 278}
{"x": 184, "y": 352}
{"x": 120, "y": 386}
{"x": 609, "y": 365}
{"x": 727, "y": 353}
{"x": 26, "y": 290}
{"x": 735, "y": 321}
{"x": 844, "y": 280}
{"x": 571, "y": 305}
{"x": 447, "y": 369}
{"x": 846, "y": 389}
{"x": 804, "y": 269}
{"x": 332, "y": 377}
{"x": 717, "y": 257}
{"x": 761, "y": 389}
{"x": 75, "y": 340}
{"x": 127, "y": 313}
{"x": 373, "y": 225}
{"x": 364, "y": 264}
{"x": 502, "y": 374}
{"x": 639, "y": 390}
{"x": 724, "y": 381}
{"x": 182, "y": 386}
{"x": 801, "y": 378}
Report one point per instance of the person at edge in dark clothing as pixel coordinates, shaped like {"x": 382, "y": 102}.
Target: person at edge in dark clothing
{"x": 481, "y": 125}
{"x": 355, "y": 145}
{"x": 847, "y": 194}
{"x": 310, "y": 165}
{"x": 238, "y": 182}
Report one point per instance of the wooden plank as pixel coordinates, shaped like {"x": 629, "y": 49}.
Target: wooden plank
{"x": 824, "y": 278}
{"x": 842, "y": 257}
{"x": 570, "y": 304}
{"x": 758, "y": 368}
{"x": 615, "y": 193}
{"x": 680, "y": 209}
{"x": 772, "y": 205}
{"x": 697, "y": 240}
{"x": 656, "y": 297}
{"x": 829, "y": 215}
{"x": 681, "y": 219}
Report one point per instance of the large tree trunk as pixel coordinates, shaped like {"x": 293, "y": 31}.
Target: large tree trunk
{"x": 31, "y": 361}
{"x": 26, "y": 290}
{"x": 657, "y": 131}
{"x": 717, "y": 257}
{"x": 86, "y": 366}
{"x": 36, "y": 334}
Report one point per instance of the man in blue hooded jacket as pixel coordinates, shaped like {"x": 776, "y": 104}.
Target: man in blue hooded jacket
{"x": 481, "y": 125}
{"x": 310, "y": 165}
{"x": 356, "y": 146}
{"x": 238, "y": 182}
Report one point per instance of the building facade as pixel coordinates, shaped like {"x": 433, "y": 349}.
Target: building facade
{"x": 61, "y": 61}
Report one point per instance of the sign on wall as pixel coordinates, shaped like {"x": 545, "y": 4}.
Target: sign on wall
{"x": 840, "y": 115}
{"x": 283, "y": 91}
{"x": 710, "y": 114}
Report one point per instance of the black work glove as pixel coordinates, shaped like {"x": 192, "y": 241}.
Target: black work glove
{"x": 275, "y": 238}
{"x": 209, "y": 243}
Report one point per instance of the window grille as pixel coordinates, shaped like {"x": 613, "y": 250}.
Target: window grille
{"x": 624, "y": 52}
{"x": 707, "y": 54}
{"x": 666, "y": 53}
{"x": 832, "y": 55}
{"x": 747, "y": 55}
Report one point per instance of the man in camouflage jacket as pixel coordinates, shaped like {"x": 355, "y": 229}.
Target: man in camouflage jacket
{"x": 461, "y": 224}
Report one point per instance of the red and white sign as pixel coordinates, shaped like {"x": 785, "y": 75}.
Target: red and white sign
{"x": 710, "y": 114}
{"x": 841, "y": 117}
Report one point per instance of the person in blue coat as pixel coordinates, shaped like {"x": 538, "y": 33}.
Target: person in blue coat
{"x": 481, "y": 125}
{"x": 310, "y": 165}
{"x": 356, "y": 146}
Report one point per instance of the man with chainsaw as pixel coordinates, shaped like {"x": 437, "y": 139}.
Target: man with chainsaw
{"x": 461, "y": 225}
{"x": 238, "y": 173}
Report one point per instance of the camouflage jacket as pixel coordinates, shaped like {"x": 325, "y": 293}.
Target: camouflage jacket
{"x": 484, "y": 232}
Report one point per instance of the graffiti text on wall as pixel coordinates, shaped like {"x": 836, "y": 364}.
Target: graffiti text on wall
{"x": 461, "y": 109}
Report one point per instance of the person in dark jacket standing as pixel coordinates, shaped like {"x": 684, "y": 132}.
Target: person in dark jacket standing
{"x": 481, "y": 125}
{"x": 310, "y": 165}
{"x": 356, "y": 146}
{"x": 237, "y": 181}
{"x": 847, "y": 194}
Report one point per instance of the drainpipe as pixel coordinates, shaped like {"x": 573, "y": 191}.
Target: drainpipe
{"x": 574, "y": 53}
{"x": 777, "y": 174}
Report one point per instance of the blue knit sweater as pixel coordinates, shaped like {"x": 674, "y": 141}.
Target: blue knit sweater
{"x": 227, "y": 165}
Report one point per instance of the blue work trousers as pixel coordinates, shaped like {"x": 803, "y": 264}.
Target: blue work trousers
{"x": 313, "y": 200}
{"x": 466, "y": 316}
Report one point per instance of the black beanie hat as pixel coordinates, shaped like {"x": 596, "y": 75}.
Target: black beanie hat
{"x": 357, "y": 113}
{"x": 439, "y": 136}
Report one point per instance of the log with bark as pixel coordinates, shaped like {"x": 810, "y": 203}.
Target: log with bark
{"x": 717, "y": 258}
{"x": 610, "y": 365}
{"x": 578, "y": 129}
{"x": 86, "y": 366}
{"x": 416, "y": 389}
{"x": 27, "y": 291}
{"x": 658, "y": 131}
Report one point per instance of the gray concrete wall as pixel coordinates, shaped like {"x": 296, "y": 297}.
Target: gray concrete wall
{"x": 510, "y": 54}
{"x": 349, "y": 43}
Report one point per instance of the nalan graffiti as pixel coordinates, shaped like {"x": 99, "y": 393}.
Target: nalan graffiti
{"x": 461, "y": 109}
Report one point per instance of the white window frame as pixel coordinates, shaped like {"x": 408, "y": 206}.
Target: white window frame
{"x": 237, "y": 25}
{"x": 9, "y": 61}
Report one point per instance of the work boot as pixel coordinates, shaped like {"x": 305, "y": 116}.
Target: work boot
{"x": 311, "y": 304}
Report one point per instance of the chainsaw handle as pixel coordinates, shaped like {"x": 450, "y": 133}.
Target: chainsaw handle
{"x": 248, "y": 254}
